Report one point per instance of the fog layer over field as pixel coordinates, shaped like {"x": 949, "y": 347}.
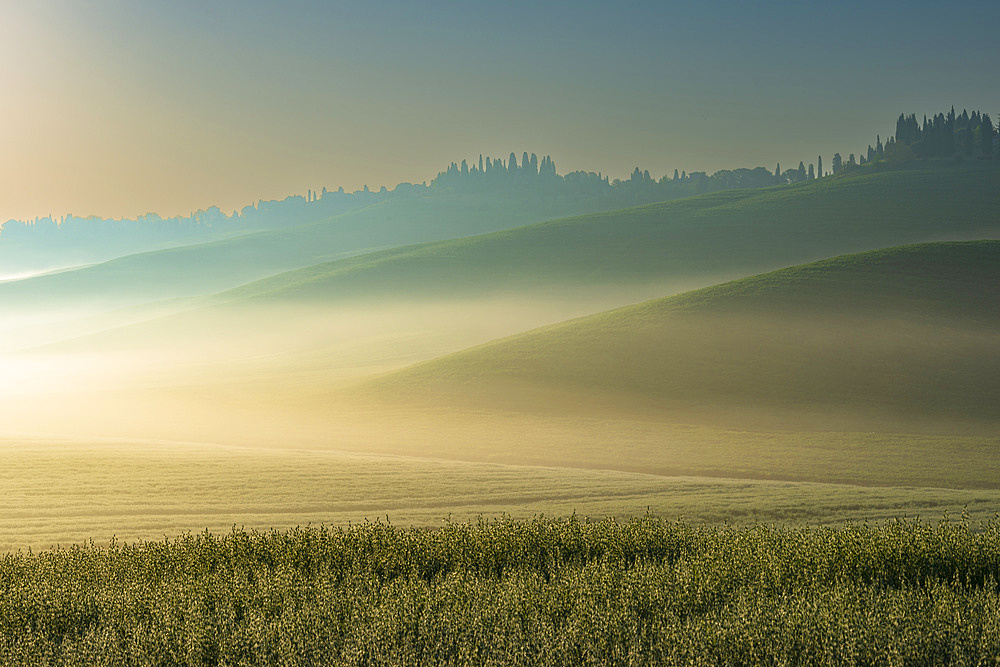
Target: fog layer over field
{"x": 224, "y": 373}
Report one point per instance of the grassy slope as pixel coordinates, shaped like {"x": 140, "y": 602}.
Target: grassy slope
{"x": 693, "y": 241}
{"x": 879, "y": 338}
{"x": 209, "y": 267}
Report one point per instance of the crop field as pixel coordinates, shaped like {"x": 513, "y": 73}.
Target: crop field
{"x": 568, "y": 591}
{"x": 63, "y": 493}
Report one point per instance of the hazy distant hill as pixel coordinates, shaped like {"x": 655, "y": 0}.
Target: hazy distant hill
{"x": 672, "y": 245}
{"x": 906, "y": 335}
{"x": 206, "y": 268}
{"x": 45, "y": 243}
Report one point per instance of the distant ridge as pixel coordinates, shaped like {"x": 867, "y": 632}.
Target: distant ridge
{"x": 672, "y": 245}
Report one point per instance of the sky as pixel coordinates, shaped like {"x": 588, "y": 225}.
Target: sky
{"x": 119, "y": 108}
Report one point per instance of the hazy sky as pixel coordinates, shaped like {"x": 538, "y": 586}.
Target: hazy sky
{"x": 119, "y": 108}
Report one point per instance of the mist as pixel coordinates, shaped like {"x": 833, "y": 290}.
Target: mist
{"x": 219, "y": 373}
{"x": 678, "y": 395}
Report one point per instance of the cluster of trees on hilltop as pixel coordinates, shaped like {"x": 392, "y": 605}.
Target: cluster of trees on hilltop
{"x": 495, "y": 171}
{"x": 943, "y": 135}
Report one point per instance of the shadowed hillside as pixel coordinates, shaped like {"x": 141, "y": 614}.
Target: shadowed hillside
{"x": 884, "y": 339}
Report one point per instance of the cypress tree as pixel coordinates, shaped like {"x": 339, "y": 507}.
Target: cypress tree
{"x": 819, "y": 167}
{"x": 987, "y": 132}
{"x": 812, "y": 174}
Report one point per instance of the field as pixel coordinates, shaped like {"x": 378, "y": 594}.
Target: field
{"x": 536, "y": 592}
{"x": 64, "y": 493}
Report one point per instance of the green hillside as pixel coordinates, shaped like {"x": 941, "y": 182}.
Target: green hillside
{"x": 894, "y": 338}
{"x": 682, "y": 243}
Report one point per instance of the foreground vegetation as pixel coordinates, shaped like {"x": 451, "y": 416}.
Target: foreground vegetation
{"x": 540, "y": 591}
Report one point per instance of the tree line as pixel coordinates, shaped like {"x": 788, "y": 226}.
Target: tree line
{"x": 152, "y": 228}
{"x": 943, "y": 135}
{"x": 533, "y": 176}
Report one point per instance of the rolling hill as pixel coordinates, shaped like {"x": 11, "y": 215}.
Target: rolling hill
{"x": 903, "y": 338}
{"x": 571, "y": 266}
{"x": 667, "y": 247}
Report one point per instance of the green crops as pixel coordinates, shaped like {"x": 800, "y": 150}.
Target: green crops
{"x": 537, "y": 592}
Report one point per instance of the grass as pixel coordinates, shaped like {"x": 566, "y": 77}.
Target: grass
{"x": 657, "y": 446}
{"x": 537, "y": 592}
{"x": 900, "y": 339}
{"x": 64, "y": 493}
